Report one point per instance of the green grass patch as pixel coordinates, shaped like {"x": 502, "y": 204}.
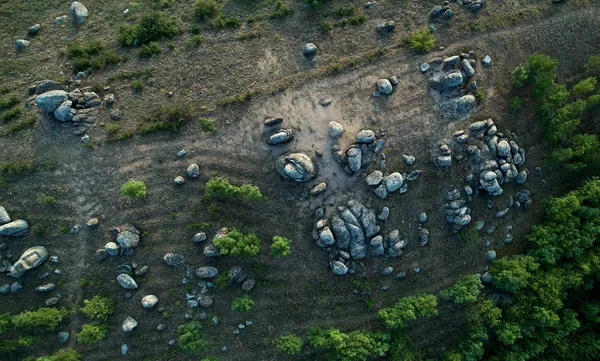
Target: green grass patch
{"x": 149, "y": 50}
{"x": 167, "y": 117}
{"x": 13, "y": 168}
{"x": 282, "y": 10}
{"x": 153, "y": 26}
{"x": 8, "y": 102}
{"x": 91, "y": 56}
{"x": 421, "y": 41}
{"x": 145, "y": 73}
{"x": 10, "y": 114}
{"x": 137, "y": 86}
{"x": 207, "y": 125}
{"x": 240, "y": 98}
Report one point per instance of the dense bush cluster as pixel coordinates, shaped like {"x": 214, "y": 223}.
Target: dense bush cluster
{"x": 289, "y": 344}
{"x": 407, "y": 309}
{"x": 92, "y": 332}
{"x": 191, "y": 338}
{"x": 153, "y": 26}
{"x": 221, "y": 189}
{"x": 353, "y": 346}
{"x": 280, "y": 246}
{"x": 134, "y": 189}
{"x": 236, "y": 243}
{"x": 560, "y": 111}
{"x": 98, "y": 307}
{"x": 45, "y": 317}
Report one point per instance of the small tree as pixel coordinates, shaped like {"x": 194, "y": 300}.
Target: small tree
{"x": 280, "y": 247}
{"x": 289, "y": 344}
{"x": 238, "y": 244}
{"x": 353, "y": 346}
{"x": 98, "y": 307}
{"x": 221, "y": 189}
{"x": 242, "y": 304}
{"x": 133, "y": 189}
{"x": 65, "y": 354}
{"x": 92, "y": 332}
{"x": 513, "y": 273}
{"x": 466, "y": 289}
{"x": 407, "y": 309}
{"x": 45, "y": 317}
{"x": 191, "y": 338}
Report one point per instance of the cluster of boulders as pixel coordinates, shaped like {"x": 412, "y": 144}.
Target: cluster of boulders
{"x": 10, "y": 228}
{"x": 192, "y": 171}
{"x": 385, "y": 86}
{"x": 495, "y": 159}
{"x": 452, "y": 78}
{"x": 78, "y": 11}
{"x": 441, "y": 10}
{"x": 360, "y": 154}
{"x": 127, "y": 238}
{"x": 352, "y": 233}
{"x": 456, "y": 209}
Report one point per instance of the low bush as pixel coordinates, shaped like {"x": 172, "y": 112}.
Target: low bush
{"x": 45, "y": 317}
{"x": 206, "y": 9}
{"x": 167, "y": 117}
{"x": 238, "y": 244}
{"x": 407, "y": 309}
{"x": 221, "y": 189}
{"x": 98, "y": 307}
{"x": 289, "y": 344}
{"x": 242, "y": 304}
{"x": 280, "y": 246}
{"x": 421, "y": 41}
{"x": 151, "y": 27}
{"x": 133, "y": 189}
{"x": 137, "y": 86}
{"x": 191, "y": 338}
{"x": 466, "y": 289}
{"x": 281, "y": 10}
{"x": 207, "y": 125}
{"x": 10, "y": 114}
{"x": 149, "y": 50}
{"x": 227, "y": 21}
{"x": 92, "y": 332}
{"x": 91, "y": 56}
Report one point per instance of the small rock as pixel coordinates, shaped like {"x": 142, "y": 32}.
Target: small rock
{"x": 60, "y": 19}
{"x": 92, "y": 222}
{"x": 385, "y": 213}
{"x": 149, "y": 301}
{"x": 33, "y": 30}
{"x": 424, "y": 67}
{"x": 325, "y": 102}
{"x": 129, "y": 324}
{"x": 335, "y": 129}
{"x": 79, "y": 12}
{"x": 384, "y": 86}
{"x": 199, "y": 237}
{"x": 490, "y": 255}
{"x": 207, "y": 272}
{"x": 248, "y": 284}
{"x": 272, "y": 121}
{"x": 126, "y": 281}
{"x": 310, "y": 50}
{"x": 393, "y": 182}
{"x": 374, "y": 178}
{"x": 124, "y": 349}
{"x": 179, "y": 180}
{"x": 21, "y": 44}
{"x": 181, "y": 153}
{"x": 63, "y": 336}
{"x": 115, "y": 114}
{"x": 173, "y": 259}
{"x": 46, "y": 287}
{"x": 52, "y": 301}
{"x": 487, "y": 60}
{"x": 408, "y": 159}
{"x": 193, "y": 171}
{"x": 318, "y": 189}
{"x": 422, "y": 217}
{"x": 381, "y": 191}
{"x": 111, "y": 248}
{"x": 387, "y": 271}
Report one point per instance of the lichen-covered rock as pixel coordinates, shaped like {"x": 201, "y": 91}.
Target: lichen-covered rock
{"x": 128, "y": 236}
{"x": 354, "y": 157}
{"x": 296, "y": 166}
{"x": 126, "y": 281}
{"x": 79, "y": 12}
{"x": 374, "y": 178}
{"x": 365, "y": 136}
{"x": 193, "y": 171}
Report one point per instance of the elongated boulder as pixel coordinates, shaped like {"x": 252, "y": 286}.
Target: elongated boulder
{"x": 15, "y": 228}
{"x": 126, "y": 281}
{"x": 281, "y": 136}
{"x": 31, "y": 258}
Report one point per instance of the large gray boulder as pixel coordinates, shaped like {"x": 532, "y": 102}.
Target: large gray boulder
{"x": 354, "y": 156}
{"x": 51, "y": 100}
{"x": 31, "y": 258}
{"x": 365, "y": 136}
{"x": 297, "y": 167}
{"x": 14, "y": 228}
{"x": 79, "y": 12}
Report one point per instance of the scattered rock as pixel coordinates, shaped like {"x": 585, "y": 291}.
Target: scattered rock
{"x": 339, "y": 268}
{"x": 199, "y": 237}
{"x": 179, "y": 180}
{"x": 384, "y": 86}
{"x": 149, "y": 301}
{"x": 335, "y": 129}
{"x": 53, "y": 301}
{"x": 193, "y": 171}
{"x": 207, "y": 272}
{"x": 46, "y": 287}
{"x": 325, "y": 102}
{"x": 374, "y": 178}
{"x": 63, "y": 336}
{"x": 318, "y": 189}
{"x": 385, "y": 213}
{"x": 272, "y": 121}
{"x": 31, "y": 258}
{"x": 173, "y": 259}
{"x": 129, "y": 324}
{"x": 408, "y": 159}
{"x": 79, "y": 12}
{"x": 92, "y": 222}
{"x": 281, "y": 136}
{"x": 487, "y": 61}
{"x": 4, "y": 217}
{"x": 126, "y": 281}
{"x": 21, "y": 44}
{"x": 310, "y": 50}
{"x": 33, "y": 30}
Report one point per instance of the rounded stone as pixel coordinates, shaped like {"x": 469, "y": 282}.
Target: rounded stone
{"x": 129, "y": 324}
{"x": 207, "y": 272}
{"x": 310, "y": 49}
{"x": 384, "y": 86}
{"x": 179, "y": 180}
{"x": 193, "y": 171}
{"x": 111, "y": 248}
{"x": 149, "y": 301}
{"x": 339, "y": 268}
{"x": 335, "y": 129}
{"x": 126, "y": 281}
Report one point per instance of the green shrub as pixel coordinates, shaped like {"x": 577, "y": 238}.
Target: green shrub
{"x": 220, "y": 188}
{"x": 11, "y": 347}
{"x": 8, "y": 102}
{"x": 592, "y": 67}
{"x": 326, "y": 26}
{"x": 513, "y": 273}
{"x": 289, "y": 344}
{"x": 38, "y": 229}
{"x": 479, "y": 95}
{"x": 23, "y": 124}
{"x": 242, "y": 304}
{"x": 238, "y": 244}
{"x": 227, "y": 22}
{"x": 65, "y": 354}
{"x": 466, "y": 289}
{"x": 223, "y": 280}
{"x": 353, "y": 346}
{"x": 48, "y": 318}
{"x": 191, "y": 338}
{"x": 281, "y": 10}
{"x": 92, "y": 332}
{"x": 133, "y": 189}
{"x": 356, "y": 19}
{"x": 12, "y": 168}
{"x": 151, "y": 27}
{"x": 344, "y": 11}
{"x": 206, "y": 9}
{"x": 91, "y": 56}
{"x": 407, "y": 309}
{"x": 207, "y": 125}
{"x": 197, "y": 39}
{"x": 421, "y": 41}
{"x": 149, "y": 50}
{"x": 46, "y": 199}
{"x": 167, "y": 117}
{"x": 137, "y": 85}
{"x": 515, "y": 103}
{"x": 5, "y": 323}
{"x": 10, "y": 114}
{"x": 280, "y": 247}
{"x": 98, "y": 307}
